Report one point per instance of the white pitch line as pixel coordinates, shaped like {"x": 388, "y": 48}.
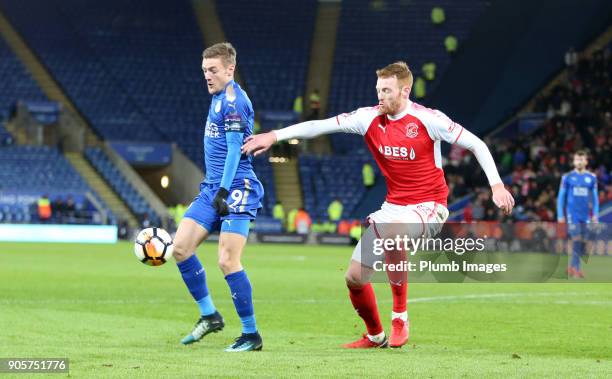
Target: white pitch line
{"x": 492, "y": 295}
{"x": 431, "y": 299}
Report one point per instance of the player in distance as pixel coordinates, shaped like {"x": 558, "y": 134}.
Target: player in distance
{"x": 404, "y": 138}
{"x": 578, "y": 188}
{"x": 229, "y": 199}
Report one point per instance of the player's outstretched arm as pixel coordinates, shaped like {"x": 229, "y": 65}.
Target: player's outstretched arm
{"x": 258, "y": 144}
{"x": 356, "y": 122}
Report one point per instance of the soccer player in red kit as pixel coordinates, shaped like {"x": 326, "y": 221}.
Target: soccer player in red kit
{"x": 404, "y": 138}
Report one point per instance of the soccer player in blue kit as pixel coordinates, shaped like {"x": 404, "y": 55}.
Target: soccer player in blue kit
{"x": 578, "y": 188}
{"x": 229, "y": 199}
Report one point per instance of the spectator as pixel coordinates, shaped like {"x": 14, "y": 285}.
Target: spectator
{"x": 70, "y": 210}
{"x": 578, "y": 116}
{"x": 369, "y": 178}
{"x": 571, "y": 57}
{"x": 478, "y": 211}
{"x": 468, "y": 215}
{"x": 44, "y": 209}
{"x": 318, "y": 226}
{"x": 291, "y": 220}
{"x": 58, "y": 210}
{"x": 344, "y": 227}
{"x": 334, "y": 210}
{"x": 278, "y": 212}
{"x": 450, "y": 43}
{"x": 145, "y": 222}
{"x": 429, "y": 71}
{"x": 123, "y": 230}
{"x": 302, "y": 221}
{"x": 419, "y": 88}
{"x": 437, "y": 15}
{"x": 355, "y": 232}
{"x": 315, "y": 105}
{"x": 298, "y": 106}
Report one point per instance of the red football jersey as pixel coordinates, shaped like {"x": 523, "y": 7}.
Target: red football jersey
{"x": 406, "y": 147}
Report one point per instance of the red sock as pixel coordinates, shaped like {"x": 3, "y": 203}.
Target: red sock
{"x": 398, "y": 281}
{"x": 399, "y": 297}
{"x": 364, "y": 302}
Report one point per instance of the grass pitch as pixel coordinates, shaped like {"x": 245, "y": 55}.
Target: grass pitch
{"x": 115, "y": 317}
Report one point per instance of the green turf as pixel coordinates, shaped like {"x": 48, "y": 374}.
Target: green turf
{"x": 113, "y": 316}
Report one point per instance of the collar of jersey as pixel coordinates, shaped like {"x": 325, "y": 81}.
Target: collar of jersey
{"x": 401, "y": 114}
{"x": 222, "y": 93}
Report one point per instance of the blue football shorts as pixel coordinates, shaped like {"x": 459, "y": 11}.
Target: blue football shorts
{"x": 244, "y": 202}
{"x": 578, "y": 229}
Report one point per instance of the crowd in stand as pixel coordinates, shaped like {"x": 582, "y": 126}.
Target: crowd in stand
{"x": 578, "y": 116}
{"x": 60, "y": 211}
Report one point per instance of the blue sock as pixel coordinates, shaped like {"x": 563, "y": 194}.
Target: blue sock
{"x": 242, "y": 294}
{"x": 194, "y": 277}
{"x": 206, "y": 306}
{"x": 576, "y": 254}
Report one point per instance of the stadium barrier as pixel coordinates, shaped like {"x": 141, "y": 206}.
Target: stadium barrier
{"x": 58, "y": 233}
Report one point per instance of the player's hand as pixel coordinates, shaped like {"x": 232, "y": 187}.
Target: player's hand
{"x": 502, "y": 198}
{"x": 258, "y": 144}
{"x": 220, "y": 202}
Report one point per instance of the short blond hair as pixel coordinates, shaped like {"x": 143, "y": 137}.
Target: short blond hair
{"x": 223, "y": 50}
{"x": 398, "y": 69}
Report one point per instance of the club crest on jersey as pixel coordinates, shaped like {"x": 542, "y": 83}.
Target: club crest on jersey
{"x": 218, "y": 107}
{"x": 412, "y": 130}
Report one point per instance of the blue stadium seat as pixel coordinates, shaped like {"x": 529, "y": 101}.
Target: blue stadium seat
{"x": 134, "y": 67}
{"x": 15, "y": 84}
{"x": 42, "y": 170}
{"x": 329, "y": 177}
{"x": 364, "y": 44}
{"x": 137, "y": 204}
{"x": 274, "y": 64}
{"x": 265, "y": 173}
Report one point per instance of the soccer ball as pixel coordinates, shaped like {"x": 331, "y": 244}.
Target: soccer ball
{"x": 153, "y": 246}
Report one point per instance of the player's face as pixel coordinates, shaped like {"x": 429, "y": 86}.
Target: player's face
{"x": 392, "y": 97}
{"x": 580, "y": 162}
{"x": 216, "y": 74}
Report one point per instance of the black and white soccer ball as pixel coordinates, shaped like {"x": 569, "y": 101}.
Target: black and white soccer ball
{"x": 153, "y": 246}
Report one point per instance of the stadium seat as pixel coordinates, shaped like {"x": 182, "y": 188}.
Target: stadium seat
{"x": 414, "y": 39}
{"x": 274, "y": 64}
{"x": 137, "y": 204}
{"x": 41, "y": 170}
{"x": 329, "y": 177}
{"x": 15, "y": 84}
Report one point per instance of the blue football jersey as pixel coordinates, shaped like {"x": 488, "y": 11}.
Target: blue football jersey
{"x": 576, "y": 193}
{"x": 230, "y": 111}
